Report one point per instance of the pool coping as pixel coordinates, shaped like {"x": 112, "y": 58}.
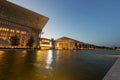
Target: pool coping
{"x": 114, "y": 72}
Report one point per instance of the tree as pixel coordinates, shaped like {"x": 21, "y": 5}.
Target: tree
{"x": 76, "y": 45}
{"x": 30, "y": 41}
{"x": 14, "y": 40}
{"x": 80, "y": 46}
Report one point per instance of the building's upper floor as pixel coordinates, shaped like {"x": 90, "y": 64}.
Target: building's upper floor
{"x": 23, "y": 16}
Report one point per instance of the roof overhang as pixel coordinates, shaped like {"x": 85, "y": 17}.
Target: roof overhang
{"x": 23, "y": 16}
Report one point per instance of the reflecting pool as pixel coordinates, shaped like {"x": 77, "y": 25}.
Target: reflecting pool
{"x": 55, "y": 64}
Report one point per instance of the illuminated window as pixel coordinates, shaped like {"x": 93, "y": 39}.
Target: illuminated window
{"x": 11, "y": 30}
{"x": 17, "y": 31}
{"x": 7, "y": 29}
{"x": 0, "y": 28}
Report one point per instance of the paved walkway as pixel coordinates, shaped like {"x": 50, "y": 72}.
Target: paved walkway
{"x": 114, "y": 72}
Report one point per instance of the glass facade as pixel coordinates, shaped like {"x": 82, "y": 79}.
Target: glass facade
{"x": 45, "y": 43}
{"x": 9, "y": 29}
{"x": 16, "y": 20}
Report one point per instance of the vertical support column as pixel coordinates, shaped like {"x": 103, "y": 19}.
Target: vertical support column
{"x": 39, "y": 43}
{"x": 37, "y": 40}
{"x": 52, "y": 44}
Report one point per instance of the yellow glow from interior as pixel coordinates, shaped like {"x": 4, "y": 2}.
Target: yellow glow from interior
{"x": 45, "y": 45}
{"x": 23, "y": 32}
{"x": 17, "y": 31}
{"x": 45, "y": 41}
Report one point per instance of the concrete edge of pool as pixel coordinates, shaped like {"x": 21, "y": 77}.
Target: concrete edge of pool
{"x": 114, "y": 72}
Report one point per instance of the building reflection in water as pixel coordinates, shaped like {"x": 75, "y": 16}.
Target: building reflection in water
{"x": 39, "y": 54}
{"x": 24, "y": 53}
{"x": 49, "y": 60}
{"x": 52, "y": 65}
{"x": 41, "y": 57}
{"x": 57, "y": 55}
{"x": 1, "y": 55}
{"x": 66, "y": 56}
{"x": 52, "y": 59}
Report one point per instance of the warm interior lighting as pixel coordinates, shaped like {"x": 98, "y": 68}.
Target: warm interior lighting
{"x": 17, "y": 31}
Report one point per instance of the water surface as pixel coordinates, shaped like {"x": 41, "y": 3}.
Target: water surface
{"x": 55, "y": 65}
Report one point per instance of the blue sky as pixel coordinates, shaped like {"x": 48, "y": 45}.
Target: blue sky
{"x": 90, "y": 21}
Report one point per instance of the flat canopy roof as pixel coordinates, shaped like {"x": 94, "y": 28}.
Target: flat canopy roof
{"x": 20, "y": 15}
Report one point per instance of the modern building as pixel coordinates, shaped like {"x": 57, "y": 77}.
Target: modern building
{"x": 16, "y": 20}
{"x": 66, "y": 43}
{"x": 69, "y": 43}
{"x": 45, "y": 43}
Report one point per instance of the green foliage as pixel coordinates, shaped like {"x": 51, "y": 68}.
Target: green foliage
{"x": 30, "y": 41}
{"x": 76, "y": 46}
{"x": 14, "y": 40}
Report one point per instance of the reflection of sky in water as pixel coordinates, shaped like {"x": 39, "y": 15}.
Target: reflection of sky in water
{"x": 49, "y": 59}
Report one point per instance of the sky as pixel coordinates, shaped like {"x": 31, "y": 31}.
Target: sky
{"x": 91, "y": 21}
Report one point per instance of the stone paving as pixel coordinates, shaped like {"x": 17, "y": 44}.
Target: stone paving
{"x": 114, "y": 72}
